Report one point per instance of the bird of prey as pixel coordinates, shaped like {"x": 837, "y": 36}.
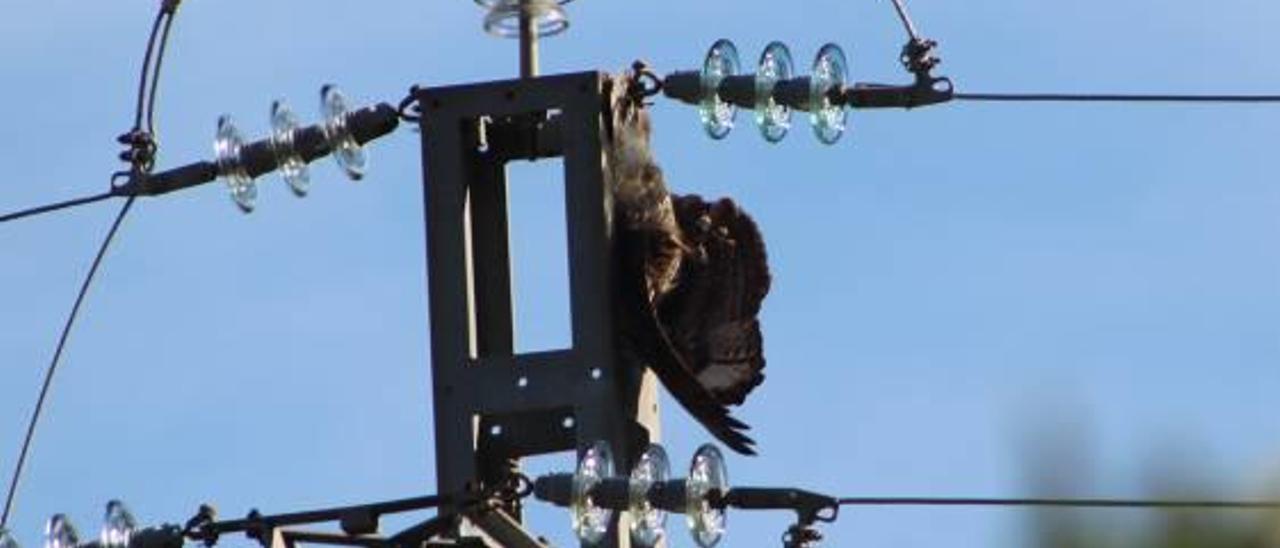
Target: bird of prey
{"x": 690, "y": 277}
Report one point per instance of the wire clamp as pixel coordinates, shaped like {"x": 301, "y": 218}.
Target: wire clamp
{"x": 918, "y": 56}
{"x": 141, "y": 152}
{"x": 801, "y": 536}
{"x": 644, "y": 83}
{"x": 409, "y": 110}
{"x": 199, "y": 527}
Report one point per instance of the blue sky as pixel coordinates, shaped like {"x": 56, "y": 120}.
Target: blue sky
{"x": 953, "y": 286}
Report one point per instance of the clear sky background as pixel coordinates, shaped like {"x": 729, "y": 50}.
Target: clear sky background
{"x": 954, "y": 287}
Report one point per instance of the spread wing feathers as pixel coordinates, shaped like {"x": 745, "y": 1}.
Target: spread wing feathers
{"x": 647, "y": 341}
{"x": 711, "y": 314}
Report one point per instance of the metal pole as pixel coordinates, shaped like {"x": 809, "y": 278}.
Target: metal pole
{"x": 528, "y": 41}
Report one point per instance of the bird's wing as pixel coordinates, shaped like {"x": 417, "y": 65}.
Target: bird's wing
{"x": 712, "y": 314}
{"x": 646, "y": 338}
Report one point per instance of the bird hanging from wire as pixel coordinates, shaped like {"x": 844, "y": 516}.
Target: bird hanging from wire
{"x": 691, "y": 276}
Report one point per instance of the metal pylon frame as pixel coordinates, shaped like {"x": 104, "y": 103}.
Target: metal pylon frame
{"x": 492, "y": 405}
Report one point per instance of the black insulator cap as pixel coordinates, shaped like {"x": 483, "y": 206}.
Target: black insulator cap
{"x": 556, "y": 489}
{"x": 669, "y": 495}
{"x": 164, "y": 536}
{"x": 370, "y": 123}
{"x": 613, "y": 493}
{"x": 793, "y": 92}
{"x": 684, "y": 86}
{"x": 739, "y": 90}
{"x": 258, "y": 158}
{"x": 310, "y": 143}
{"x": 171, "y": 180}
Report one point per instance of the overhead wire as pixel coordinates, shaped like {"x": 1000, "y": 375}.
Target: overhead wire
{"x": 56, "y": 206}
{"x": 1063, "y": 503}
{"x": 155, "y": 74}
{"x": 910, "y": 27}
{"x": 145, "y": 77}
{"x": 53, "y": 363}
{"x": 145, "y": 117}
{"x": 1115, "y": 97}
{"x": 144, "y": 113}
{"x": 141, "y": 164}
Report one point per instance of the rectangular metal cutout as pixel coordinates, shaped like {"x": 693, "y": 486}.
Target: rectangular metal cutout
{"x": 539, "y": 255}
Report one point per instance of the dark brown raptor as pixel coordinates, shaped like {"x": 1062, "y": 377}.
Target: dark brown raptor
{"x": 691, "y": 274}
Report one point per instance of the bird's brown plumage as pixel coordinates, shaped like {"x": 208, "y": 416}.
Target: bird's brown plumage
{"x": 692, "y": 275}
{"x": 712, "y": 311}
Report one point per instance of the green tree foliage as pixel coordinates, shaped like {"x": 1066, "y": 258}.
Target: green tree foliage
{"x": 1061, "y": 467}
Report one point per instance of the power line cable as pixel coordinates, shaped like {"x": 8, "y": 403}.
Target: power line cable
{"x": 1052, "y": 97}
{"x": 1063, "y": 503}
{"x": 56, "y": 206}
{"x": 906, "y": 19}
{"x": 53, "y": 364}
{"x": 144, "y": 116}
{"x": 169, "y": 8}
{"x": 145, "y": 77}
{"x": 141, "y": 158}
{"x": 1115, "y": 98}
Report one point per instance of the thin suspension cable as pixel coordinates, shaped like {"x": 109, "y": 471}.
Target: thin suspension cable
{"x": 1063, "y": 502}
{"x": 148, "y": 85}
{"x": 155, "y": 74}
{"x": 1115, "y": 98}
{"x": 906, "y": 19}
{"x": 56, "y": 206}
{"x": 146, "y": 70}
{"x": 53, "y": 364}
